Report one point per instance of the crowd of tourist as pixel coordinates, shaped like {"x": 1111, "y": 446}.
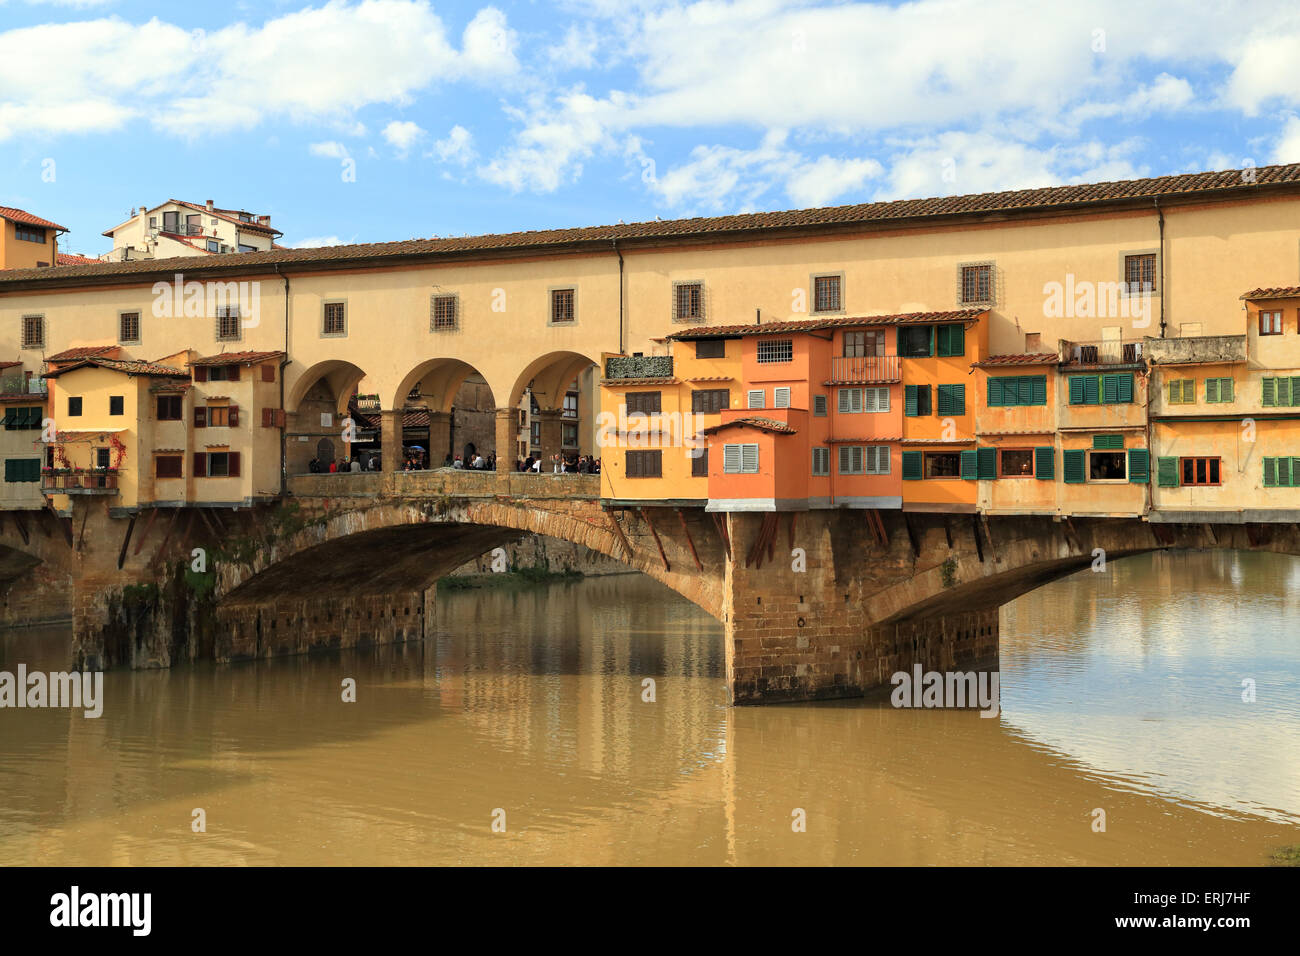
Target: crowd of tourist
{"x": 414, "y": 460}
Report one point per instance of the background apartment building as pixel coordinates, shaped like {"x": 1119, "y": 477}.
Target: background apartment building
{"x": 179, "y": 228}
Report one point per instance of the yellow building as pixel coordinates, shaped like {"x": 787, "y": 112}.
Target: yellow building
{"x": 22, "y": 403}
{"x": 27, "y": 241}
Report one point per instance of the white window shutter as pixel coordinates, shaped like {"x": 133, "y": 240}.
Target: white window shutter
{"x": 781, "y": 397}
{"x": 731, "y": 458}
{"x": 756, "y": 398}
{"x": 843, "y": 400}
{"x": 749, "y": 459}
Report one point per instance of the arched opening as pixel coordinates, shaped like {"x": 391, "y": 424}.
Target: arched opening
{"x": 448, "y": 413}
{"x": 556, "y": 398}
{"x": 318, "y": 404}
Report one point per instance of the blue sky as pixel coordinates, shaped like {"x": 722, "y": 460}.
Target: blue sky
{"x": 389, "y": 119}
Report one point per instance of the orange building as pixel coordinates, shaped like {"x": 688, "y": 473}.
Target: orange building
{"x": 27, "y": 241}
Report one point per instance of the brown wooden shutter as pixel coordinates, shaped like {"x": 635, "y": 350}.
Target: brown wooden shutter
{"x": 200, "y": 464}
{"x": 268, "y": 417}
{"x": 200, "y": 373}
{"x": 232, "y": 373}
{"x": 279, "y": 418}
{"x": 233, "y": 420}
{"x": 268, "y": 372}
{"x": 200, "y": 416}
{"x": 234, "y": 464}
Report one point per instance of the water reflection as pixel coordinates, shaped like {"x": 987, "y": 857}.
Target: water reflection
{"x": 1118, "y": 692}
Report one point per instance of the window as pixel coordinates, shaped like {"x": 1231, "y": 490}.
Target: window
{"x": 688, "y": 301}
{"x": 29, "y": 233}
{"x": 217, "y": 373}
{"x": 853, "y": 400}
{"x": 819, "y": 405}
{"x": 976, "y": 283}
{"x": 128, "y": 327}
{"x": 951, "y": 399}
{"x": 1270, "y": 323}
{"x": 775, "y": 350}
{"x": 740, "y": 459}
{"x": 562, "y": 312}
{"x": 33, "y": 331}
{"x": 570, "y": 405}
{"x": 1114, "y": 389}
{"x": 569, "y": 435}
{"x": 826, "y": 294}
{"x": 1218, "y": 390}
{"x": 941, "y": 464}
{"x": 1017, "y": 390}
{"x": 228, "y": 323}
{"x": 915, "y": 341}
{"x": 1281, "y": 391}
{"x": 1107, "y": 466}
{"x": 1200, "y": 471}
{"x": 1016, "y": 463}
{"x": 1182, "y": 391}
{"x": 646, "y": 403}
{"x": 862, "y": 344}
{"x": 334, "y": 321}
{"x": 167, "y": 466}
{"x": 443, "y": 313}
{"x": 116, "y": 405}
{"x": 1281, "y": 472}
{"x": 217, "y": 464}
{"x": 781, "y": 396}
{"x": 950, "y": 340}
{"x": 700, "y": 463}
{"x": 710, "y": 401}
{"x": 864, "y": 460}
{"x": 851, "y": 459}
{"x": 22, "y": 469}
{"x": 74, "y": 405}
{"x": 755, "y": 398}
{"x": 645, "y": 464}
{"x": 1140, "y": 272}
{"x": 218, "y": 416}
{"x": 245, "y": 248}
{"x": 535, "y": 434}
{"x": 172, "y": 222}
{"x": 916, "y": 400}
{"x": 821, "y": 461}
{"x": 711, "y": 348}
{"x": 214, "y": 246}
{"x": 23, "y": 419}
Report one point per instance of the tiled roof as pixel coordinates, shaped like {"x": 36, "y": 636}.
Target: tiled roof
{"x": 869, "y": 440}
{"x": 170, "y": 387}
{"x": 19, "y": 215}
{"x": 712, "y": 378}
{"x": 228, "y": 215}
{"x": 410, "y": 419}
{"x": 72, "y": 259}
{"x": 236, "y": 358}
{"x": 1033, "y": 358}
{"x": 23, "y": 398}
{"x": 811, "y": 325}
{"x": 129, "y": 366}
{"x": 937, "y": 441}
{"x": 1228, "y": 184}
{"x": 1280, "y": 292}
{"x": 81, "y": 352}
{"x": 9, "y": 364}
{"x": 754, "y": 421}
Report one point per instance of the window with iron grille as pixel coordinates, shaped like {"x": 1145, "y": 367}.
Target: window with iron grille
{"x": 442, "y": 313}
{"x": 827, "y": 294}
{"x": 646, "y": 403}
{"x": 645, "y": 464}
{"x": 228, "y": 323}
{"x": 711, "y": 348}
{"x": 562, "y": 306}
{"x": 709, "y": 401}
{"x": 775, "y": 350}
{"x": 335, "y": 319}
{"x": 1140, "y": 272}
{"x": 688, "y": 301}
{"x": 33, "y": 331}
{"x": 977, "y": 283}
{"x": 128, "y": 327}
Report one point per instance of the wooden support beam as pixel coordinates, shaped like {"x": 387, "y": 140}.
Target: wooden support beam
{"x": 627, "y": 548}
{"x": 1072, "y": 535}
{"x": 161, "y": 552}
{"x": 81, "y": 537}
{"x": 655, "y": 534}
{"x": 720, "y": 522}
{"x": 1209, "y": 532}
{"x": 21, "y": 523}
{"x": 911, "y": 536}
{"x": 153, "y": 514}
{"x": 764, "y": 540}
{"x": 689, "y": 543}
{"x": 207, "y": 519}
{"x": 988, "y": 533}
{"x": 975, "y": 530}
{"x": 793, "y": 515}
{"x": 878, "y": 524}
{"x": 126, "y": 539}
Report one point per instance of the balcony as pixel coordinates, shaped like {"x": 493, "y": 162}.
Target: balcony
{"x": 862, "y": 369}
{"x": 1109, "y": 352}
{"x": 79, "y": 483}
{"x": 182, "y": 228}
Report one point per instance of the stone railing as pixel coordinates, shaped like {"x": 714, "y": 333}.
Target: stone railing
{"x": 446, "y": 482}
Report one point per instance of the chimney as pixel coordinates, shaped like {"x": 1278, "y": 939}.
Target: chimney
{"x": 209, "y": 205}
{"x": 264, "y": 220}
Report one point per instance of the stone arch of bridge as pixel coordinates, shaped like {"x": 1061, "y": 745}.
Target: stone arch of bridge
{"x": 438, "y": 381}
{"x": 549, "y": 377}
{"x": 338, "y": 377}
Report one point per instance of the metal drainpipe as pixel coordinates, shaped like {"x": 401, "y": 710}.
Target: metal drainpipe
{"x": 284, "y": 362}
{"x": 1160, "y": 213}
{"x": 621, "y": 349}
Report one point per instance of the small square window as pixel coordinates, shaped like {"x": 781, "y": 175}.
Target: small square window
{"x": 562, "y": 306}
{"x": 116, "y": 404}
{"x": 228, "y": 323}
{"x": 688, "y": 301}
{"x": 827, "y": 294}
{"x": 711, "y": 348}
{"x": 1140, "y": 273}
{"x": 976, "y": 284}
{"x": 33, "y": 331}
{"x": 128, "y": 327}
{"x": 334, "y": 320}
{"x": 74, "y": 405}
{"x": 443, "y": 313}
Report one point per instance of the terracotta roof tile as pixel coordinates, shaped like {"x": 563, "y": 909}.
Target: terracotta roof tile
{"x": 81, "y": 352}
{"x": 72, "y": 259}
{"x": 1033, "y": 358}
{"x": 9, "y": 364}
{"x": 869, "y": 440}
{"x": 1227, "y": 184}
{"x": 19, "y": 215}
{"x": 1279, "y": 292}
{"x": 129, "y": 366}
{"x": 810, "y": 325}
{"x": 755, "y": 421}
{"x": 236, "y": 358}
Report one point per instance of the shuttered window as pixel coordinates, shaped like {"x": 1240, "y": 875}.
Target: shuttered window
{"x": 911, "y": 466}
{"x": 645, "y": 464}
{"x": 819, "y": 406}
{"x": 1218, "y": 390}
{"x": 950, "y": 340}
{"x": 1281, "y": 391}
{"x": 1167, "y": 472}
{"x": 986, "y": 463}
{"x": 1281, "y": 472}
{"x": 711, "y": 348}
{"x": 167, "y": 466}
{"x": 710, "y": 401}
{"x": 1182, "y": 391}
{"x": 22, "y": 469}
{"x": 916, "y": 400}
{"x": 1107, "y": 442}
{"x": 850, "y": 400}
{"x": 951, "y": 399}
{"x": 1117, "y": 389}
{"x": 645, "y": 403}
{"x": 851, "y": 459}
{"x": 1139, "y": 466}
{"x": 1017, "y": 390}
{"x": 740, "y": 459}
{"x": 821, "y": 461}
{"x": 1045, "y": 462}
{"x": 700, "y": 463}
{"x": 1074, "y": 466}
{"x": 864, "y": 460}
{"x": 781, "y": 397}
{"x": 755, "y": 398}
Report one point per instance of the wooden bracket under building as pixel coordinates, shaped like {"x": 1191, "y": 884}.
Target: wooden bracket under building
{"x": 627, "y": 548}
{"x": 126, "y": 539}
{"x": 979, "y": 545}
{"x": 911, "y": 536}
{"x": 689, "y": 543}
{"x": 153, "y": 514}
{"x": 655, "y": 534}
{"x": 720, "y": 522}
{"x": 793, "y": 516}
{"x": 21, "y": 523}
{"x": 877, "y": 522}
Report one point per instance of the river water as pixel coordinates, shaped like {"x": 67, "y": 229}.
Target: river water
{"x": 1121, "y": 692}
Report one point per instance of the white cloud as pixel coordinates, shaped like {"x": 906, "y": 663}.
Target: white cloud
{"x": 316, "y": 242}
{"x": 1267, "y": 70}
{"x": 458, "y": 147}
{"x": 401, "y": 135}
{"x": 1287, "y": 149}
{"x": 330, "y": 149}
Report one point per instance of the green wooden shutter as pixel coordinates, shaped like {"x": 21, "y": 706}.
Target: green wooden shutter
{"x": 1108, "y": 442}
{"x": 1011, "y": 391}
{"x": 1109, "y": 389}
{"x": 951, "y": 340}
{"x": 1077, "y": 396}
{"x": 1270, "y": 472}
{"x": 909, "y": 400}
{"x": 969, "y": 465}
{"x": 1284, "y": 476}
{"x": 995, "y": 392}
{"x": 1139, "y": 466}
{"x": 1212, "y": 390}
{"x": 1284, "y": 391}
{"x": 1225, "y": 389}
{"x": 1167, "y": 472}
{"x": 1072, "y": 466}
{"x": 1091, "y": 388}
{"x": 1045, "y": 462}
{"x": 911, "y": 466}
{"x": 952, "y": 400}
{"x": 1295, "y": 390}
{"x": 1037, "y": 390}
{"x": 9, "y": 469}
{"x": 1126, "y": 388}
{"x": 1269, "y": 398}
{"x": 987, "y": 463}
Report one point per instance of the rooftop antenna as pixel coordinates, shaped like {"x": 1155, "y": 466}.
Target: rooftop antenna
{"x": 758, "y": 316}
